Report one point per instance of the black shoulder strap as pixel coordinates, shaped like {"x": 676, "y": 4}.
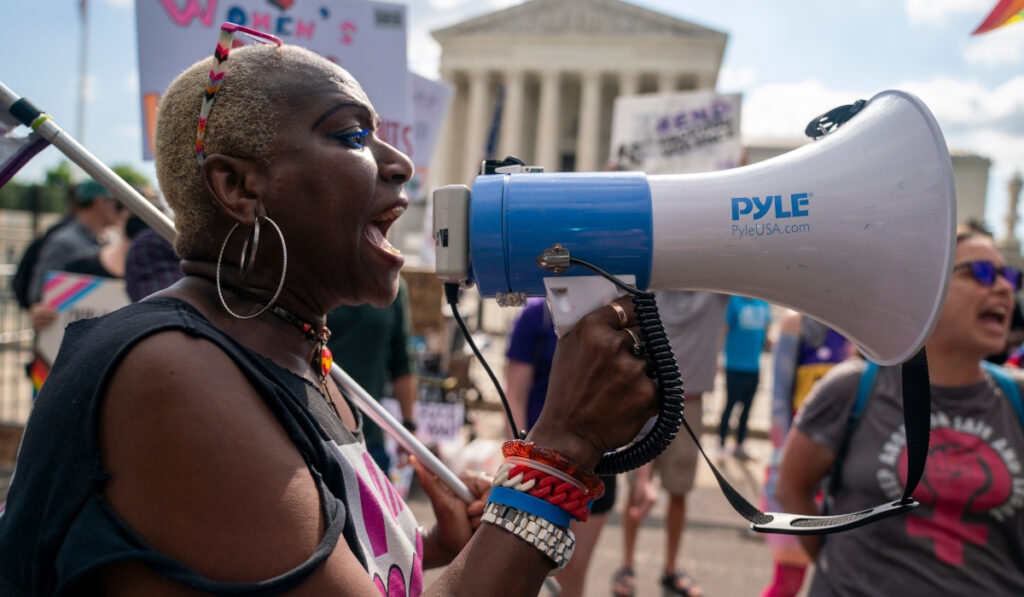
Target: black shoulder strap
{"x": 917, "y": 420}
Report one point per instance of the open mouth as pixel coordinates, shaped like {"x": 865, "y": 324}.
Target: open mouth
{"x": 377, "y": 230}
{"x": 995, "y": 315}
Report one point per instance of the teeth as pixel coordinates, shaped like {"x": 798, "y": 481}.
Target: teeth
{"x": 377, "y": 237}
{"x": 390, "y": 248}
{"x": 390, "y": 214}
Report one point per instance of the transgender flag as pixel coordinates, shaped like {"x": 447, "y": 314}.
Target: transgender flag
{"x": 16, "y": 150}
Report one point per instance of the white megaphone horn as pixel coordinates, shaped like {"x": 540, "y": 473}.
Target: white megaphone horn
{"x": 855, "y": 230}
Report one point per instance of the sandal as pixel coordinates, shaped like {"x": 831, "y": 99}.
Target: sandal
{"x": 624, "y": 582}
{"x": 680, "y": 584}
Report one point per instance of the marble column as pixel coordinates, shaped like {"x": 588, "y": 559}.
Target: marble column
{"x": 707, "y": 81}
{"x": 548, "y": 124}
{"x": 512, "y": 115}
{"x": 666, "y": 82}
{"x": 589, "y": 122}
{"x": 476, "y": 126}
{"x": 629, "y": 83}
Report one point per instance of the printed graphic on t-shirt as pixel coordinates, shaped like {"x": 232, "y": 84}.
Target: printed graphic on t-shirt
{"x": 969, "y": 473}
{"x": 753, "y": 316}
{"x": 391, "y": 542}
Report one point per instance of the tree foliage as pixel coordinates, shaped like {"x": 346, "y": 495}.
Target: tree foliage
{"x": 51, "y": 195}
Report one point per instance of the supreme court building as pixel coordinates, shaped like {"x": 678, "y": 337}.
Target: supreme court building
{"x": 538, "y": 80}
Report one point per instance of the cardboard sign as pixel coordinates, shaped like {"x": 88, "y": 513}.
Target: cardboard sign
{"x": 366, "y": 38}
{"x": 74, "y": 297}
{"x": 696, "y": 131}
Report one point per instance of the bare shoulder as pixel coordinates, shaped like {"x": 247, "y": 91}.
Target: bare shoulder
{"x": 200, "y": 467}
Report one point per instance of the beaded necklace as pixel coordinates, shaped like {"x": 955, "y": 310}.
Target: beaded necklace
{"x": 321, "y": 358}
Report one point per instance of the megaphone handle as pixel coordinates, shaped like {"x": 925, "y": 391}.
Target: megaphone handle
{"x": 663, "y": 368}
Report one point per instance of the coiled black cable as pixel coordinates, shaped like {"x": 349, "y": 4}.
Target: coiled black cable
{"x": 663, "y": 368}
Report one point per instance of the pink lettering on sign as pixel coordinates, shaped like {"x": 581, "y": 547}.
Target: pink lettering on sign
{"x": 396, "y": 135}
{"x": 191, "y": 10}
{"x": 261, "y": 21}
{"x": 348, "y": 29}
{"x": 304, "y": 29}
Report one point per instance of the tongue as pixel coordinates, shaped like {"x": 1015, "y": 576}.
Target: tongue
{"x": 376, "y": 237}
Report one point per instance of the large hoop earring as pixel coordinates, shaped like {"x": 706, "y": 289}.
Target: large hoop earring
{"x": 248, "y": 259}
{"x": 280, "y": 284}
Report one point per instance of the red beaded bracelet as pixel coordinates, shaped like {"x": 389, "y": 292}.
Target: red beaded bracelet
{"x": 553, "y": 458}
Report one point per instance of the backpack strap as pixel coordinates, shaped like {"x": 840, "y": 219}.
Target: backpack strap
{"x": 1008, "y": 385}
{"x": 867, "y": 381}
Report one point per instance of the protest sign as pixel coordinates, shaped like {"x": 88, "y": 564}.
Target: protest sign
{"x": 694, "y": 131}
{"x": 74, "y": 297}
{"x": 430, "y": 103}
{"x": 366, "y": 38}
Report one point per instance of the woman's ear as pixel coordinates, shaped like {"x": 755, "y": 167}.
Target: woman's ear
{"x": 234, "y": 184}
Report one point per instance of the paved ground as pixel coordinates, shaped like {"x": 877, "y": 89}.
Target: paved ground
{"x": 718, "y": 549}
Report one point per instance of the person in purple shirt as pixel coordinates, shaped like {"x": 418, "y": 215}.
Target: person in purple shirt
{"x": 151, "y": 263}
{"x": 531, "y": 347}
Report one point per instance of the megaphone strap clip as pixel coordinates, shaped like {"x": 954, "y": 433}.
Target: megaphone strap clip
{"x": 799, "y": 524}
{"x": 833, "y": 119}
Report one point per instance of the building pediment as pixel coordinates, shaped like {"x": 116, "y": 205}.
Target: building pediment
{"x": 577, "y": 17}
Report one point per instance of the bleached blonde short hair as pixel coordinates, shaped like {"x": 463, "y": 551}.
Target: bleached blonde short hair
{"x": 242, "y": 123}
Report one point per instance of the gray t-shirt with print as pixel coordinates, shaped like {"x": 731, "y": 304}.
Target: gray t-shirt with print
{"x": 967, "y": 537}
{"x": 693, "y": 323}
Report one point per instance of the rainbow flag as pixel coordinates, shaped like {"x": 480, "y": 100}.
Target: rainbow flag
{"x": 38, "y": 370}
{"x": 1005, "y": 12}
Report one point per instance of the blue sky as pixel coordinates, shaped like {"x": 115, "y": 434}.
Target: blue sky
{"x": 791, "y": 59}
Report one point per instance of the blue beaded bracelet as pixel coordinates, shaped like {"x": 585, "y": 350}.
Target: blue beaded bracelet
{"x": 528, "y": 503}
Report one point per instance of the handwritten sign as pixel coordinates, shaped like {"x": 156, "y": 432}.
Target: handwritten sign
{"x": 436, "y": 422}
{"x": 74, "y": 297}
{"x": 366, "y": 38}
{"x": 695, "y": 131}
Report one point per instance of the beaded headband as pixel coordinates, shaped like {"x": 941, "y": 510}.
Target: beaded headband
{"x": 220, "y": 55}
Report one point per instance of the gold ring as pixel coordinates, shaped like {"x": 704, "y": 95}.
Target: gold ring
{"x": 638, "y": 345}
{"x": 623, "y": 318}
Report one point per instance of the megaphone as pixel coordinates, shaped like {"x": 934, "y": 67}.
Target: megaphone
{"x": 855, "y": 230}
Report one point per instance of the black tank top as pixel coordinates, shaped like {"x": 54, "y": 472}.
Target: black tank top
{"x": 56, "y": 529}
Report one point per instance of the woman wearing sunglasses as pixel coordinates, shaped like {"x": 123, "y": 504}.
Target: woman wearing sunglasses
{"x": 193, "y": 443}
{"x": 967, "y": 536}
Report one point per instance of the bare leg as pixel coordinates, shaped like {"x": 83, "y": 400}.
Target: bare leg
{"x": 675, "y": 520}
{"x": 674, "y": 523}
